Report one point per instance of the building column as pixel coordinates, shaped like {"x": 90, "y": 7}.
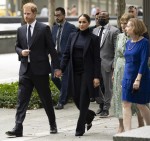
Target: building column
{"x": 66, "y": 6}
{"x": 80, "y": 7}
{"x": 112, "y": 7}
{"x": 146, "y": 11}
{"x": 107, "y": 5}
{"x": 86, "y": 7}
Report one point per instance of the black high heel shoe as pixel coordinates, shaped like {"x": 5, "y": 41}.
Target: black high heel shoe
{"x": 91, "y": 117}
{"x": 79, "y": 133}
{"x": 89, "y": 126}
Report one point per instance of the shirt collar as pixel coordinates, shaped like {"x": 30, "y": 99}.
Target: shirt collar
{"x": 62, "y": 24}
{"x": 105, "y": 26}
{"x": 32, "y": 24}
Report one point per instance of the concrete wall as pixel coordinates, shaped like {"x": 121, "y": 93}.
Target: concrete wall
{"x": 7, "y": 44}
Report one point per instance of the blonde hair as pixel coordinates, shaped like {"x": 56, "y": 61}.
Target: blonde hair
{"x": 138, "y": 26}
{"x": 32, "y": 6}
{"x": 125, "y": 17}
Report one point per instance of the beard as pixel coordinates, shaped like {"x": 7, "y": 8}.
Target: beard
{"x": 59, "y": 20}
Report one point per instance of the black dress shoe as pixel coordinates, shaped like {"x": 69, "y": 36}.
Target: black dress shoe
{"x": 104, "y": 114}
{"x": 99, "y": 111}
{"x": 79, "y": 133}
{"x": 59, "y": 106}
{"x": 92, "y": 99}
{"x": 53, "y": 129}
{"x": 16, "y": 131}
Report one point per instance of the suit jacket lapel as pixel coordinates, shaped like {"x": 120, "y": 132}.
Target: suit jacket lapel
{"x": 88, "y": 40}
{"x": 105, "y": 35}
{"x": 35, "y": 32}
{"x": 64, "y": 30}
{"x": 86, "y": 45}
{"x": 73, "y": 41}
{"x": 97, "y": 31}
{"x": 24, "y": 34}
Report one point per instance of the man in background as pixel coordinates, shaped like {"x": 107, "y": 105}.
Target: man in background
{"x": 108, "y": 35}
{"x": 60, "y": 32}
{"x": 44, "y": 11}
{"x": 133, "y": 10}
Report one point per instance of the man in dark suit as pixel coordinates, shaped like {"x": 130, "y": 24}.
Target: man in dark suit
{"x": 34, "y": 43}
{"x": 108, "y": 35}
{"x": 60, "y": 32}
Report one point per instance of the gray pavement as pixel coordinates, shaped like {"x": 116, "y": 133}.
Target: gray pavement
{"x": 36, "y": 126}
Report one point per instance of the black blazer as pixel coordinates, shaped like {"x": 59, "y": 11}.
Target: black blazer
{"x": 41, "y": 45}
{"x": 91, "y": 56}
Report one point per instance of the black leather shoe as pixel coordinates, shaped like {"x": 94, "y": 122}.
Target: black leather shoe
{"x": 16, "y": 131}
{"x": 99, "y": 111}
{"x": 92, "y": 99}
{"x": 59, "y": 106}
{"x": 53, "y": 129}
{"x": 104, "y": 114}
{"x": 79, "y": 133}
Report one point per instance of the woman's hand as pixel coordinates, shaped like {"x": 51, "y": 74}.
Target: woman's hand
{"x": 96, "y": 82}
{"x": 136, "y": 84}
{"x": 57, "y": 73}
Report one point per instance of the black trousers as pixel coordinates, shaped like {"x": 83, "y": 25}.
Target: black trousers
{"x": 26, "y": 84}
{"x": 82, "y": 101}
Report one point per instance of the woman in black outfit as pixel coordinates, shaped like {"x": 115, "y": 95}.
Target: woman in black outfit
{"x": 83, "y": 54}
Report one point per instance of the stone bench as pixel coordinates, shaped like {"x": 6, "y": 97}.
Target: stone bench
{"x": 139, "y": 134}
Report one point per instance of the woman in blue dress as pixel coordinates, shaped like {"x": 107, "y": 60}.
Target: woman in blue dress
{"x": 136, "y": 80}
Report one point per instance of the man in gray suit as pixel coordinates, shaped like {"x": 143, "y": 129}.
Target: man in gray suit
{"x": 108, "y": 35}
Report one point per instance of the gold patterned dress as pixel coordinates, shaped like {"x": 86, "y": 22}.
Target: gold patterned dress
{"x": 119, "y": 62}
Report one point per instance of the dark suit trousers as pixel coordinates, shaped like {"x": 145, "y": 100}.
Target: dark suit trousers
{"x": 26, "y": 84}
{"x": 82, "y": 101}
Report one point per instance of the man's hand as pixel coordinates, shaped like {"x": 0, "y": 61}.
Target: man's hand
{"x": 25, "y": 52}
{"x": 96, "y": 82}
{"x": 57, "y": 73}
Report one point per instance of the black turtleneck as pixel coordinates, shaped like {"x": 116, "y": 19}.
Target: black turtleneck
{"x": 78, "y": 51}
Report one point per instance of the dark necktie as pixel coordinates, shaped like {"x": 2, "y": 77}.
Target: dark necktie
{"x": 100, "y": 35}
{"x": 29, "y": 34}
{"x": 58, "y": 38}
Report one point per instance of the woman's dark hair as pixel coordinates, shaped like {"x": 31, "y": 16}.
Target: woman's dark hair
{"x": 86, "y": 16}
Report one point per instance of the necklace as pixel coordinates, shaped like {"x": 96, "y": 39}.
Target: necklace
{"x": 131, "y": 47}
{"x": 133, "y": 43}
